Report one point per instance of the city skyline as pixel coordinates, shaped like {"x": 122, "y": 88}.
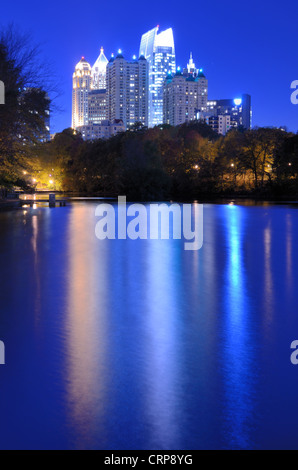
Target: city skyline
{"x": 115, "y": 95}
{"x": 251, "y": 47}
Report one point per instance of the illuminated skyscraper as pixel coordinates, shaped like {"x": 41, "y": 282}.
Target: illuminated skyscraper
{"x": 127, "y": 90}
{"x": 184, "y": 95}
{"x": 80, "y": 90}
{"x": 98, "y": 72}
{"x": 159, "y": 50}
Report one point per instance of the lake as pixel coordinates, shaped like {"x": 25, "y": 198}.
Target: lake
{"x": 139, "y": 344}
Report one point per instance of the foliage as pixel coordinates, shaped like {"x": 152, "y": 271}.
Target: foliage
{"x": 165, "y": 162}
{"x": 25, "y": 112}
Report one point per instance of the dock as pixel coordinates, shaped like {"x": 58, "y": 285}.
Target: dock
{"x": 13, "y": 201}
{"x": 51, "y": 202}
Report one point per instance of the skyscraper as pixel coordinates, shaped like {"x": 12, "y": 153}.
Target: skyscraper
{"x": 127, "y": 90}
{"x": 80, "y": 89}
{"x": 159, "y": 50}
{"x": 98, "y": 72}
{"x": 184, "y": 95}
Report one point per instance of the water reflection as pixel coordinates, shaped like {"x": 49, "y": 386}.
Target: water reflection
{"x": 86, "y": 338}
{"x": 238, "y": 355}
{"x": 36, "y": 267}
{"x": 140, "y": 344}
{"x": 162, "y": 318}
{"x": 289, "y": 251}
{"x": 268, "y": 281}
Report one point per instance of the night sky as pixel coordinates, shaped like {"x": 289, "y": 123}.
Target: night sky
{"x": 249, "y": 47}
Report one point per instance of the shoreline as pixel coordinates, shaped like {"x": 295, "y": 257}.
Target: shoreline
{"x": 13, "y": 204}
{"x": 9, "y": 204}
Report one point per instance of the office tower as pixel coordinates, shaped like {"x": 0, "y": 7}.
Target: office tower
{"x": 127, "y": 90}
{"x": 98, "y": 72}
{"x": 184, "y": 95}
{"x": 80, "y": 90}
{"x": 238, "y": 109}
{"x": 159, "y": 50}
{"x": 97, "y": 106}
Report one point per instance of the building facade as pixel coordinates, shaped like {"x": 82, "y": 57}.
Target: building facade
{"x": 80, "y": 89}
{"x": 238, "y": 109}
{"x": 184, "y": 95}
{"x": 127, "y": 90}
{"x": 159, "y": 50}
{"x": 104, "y": 130}
{"x": 97, "y": 106}
{"x": 220, "y": 124}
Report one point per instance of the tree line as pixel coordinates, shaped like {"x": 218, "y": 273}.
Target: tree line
{"x": 184, "y": 162}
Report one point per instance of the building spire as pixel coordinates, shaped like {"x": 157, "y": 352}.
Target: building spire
{"x": 191, "y": 67}
{"x": 99, "y": 71}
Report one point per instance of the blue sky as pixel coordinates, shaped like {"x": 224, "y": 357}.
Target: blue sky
{"x": 242, "y": 47}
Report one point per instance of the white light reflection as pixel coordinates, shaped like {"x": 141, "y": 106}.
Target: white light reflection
{"x": 163, "y": 373}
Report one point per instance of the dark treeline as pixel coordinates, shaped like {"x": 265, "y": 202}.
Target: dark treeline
{"x": 184, "y": 162}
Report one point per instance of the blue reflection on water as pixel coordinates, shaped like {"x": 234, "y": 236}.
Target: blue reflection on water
{"x": 237, "y": 353}
{"x": 140, "y": 344}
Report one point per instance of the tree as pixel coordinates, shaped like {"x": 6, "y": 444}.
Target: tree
{"x": 259, "y": 151}
{"x": 24, "y": 116}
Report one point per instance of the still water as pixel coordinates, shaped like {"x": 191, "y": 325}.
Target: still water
{"x": 143, "y": 345}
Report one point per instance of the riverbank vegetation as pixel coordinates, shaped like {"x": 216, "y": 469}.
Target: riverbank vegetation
{"x": 184, "y": 162}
